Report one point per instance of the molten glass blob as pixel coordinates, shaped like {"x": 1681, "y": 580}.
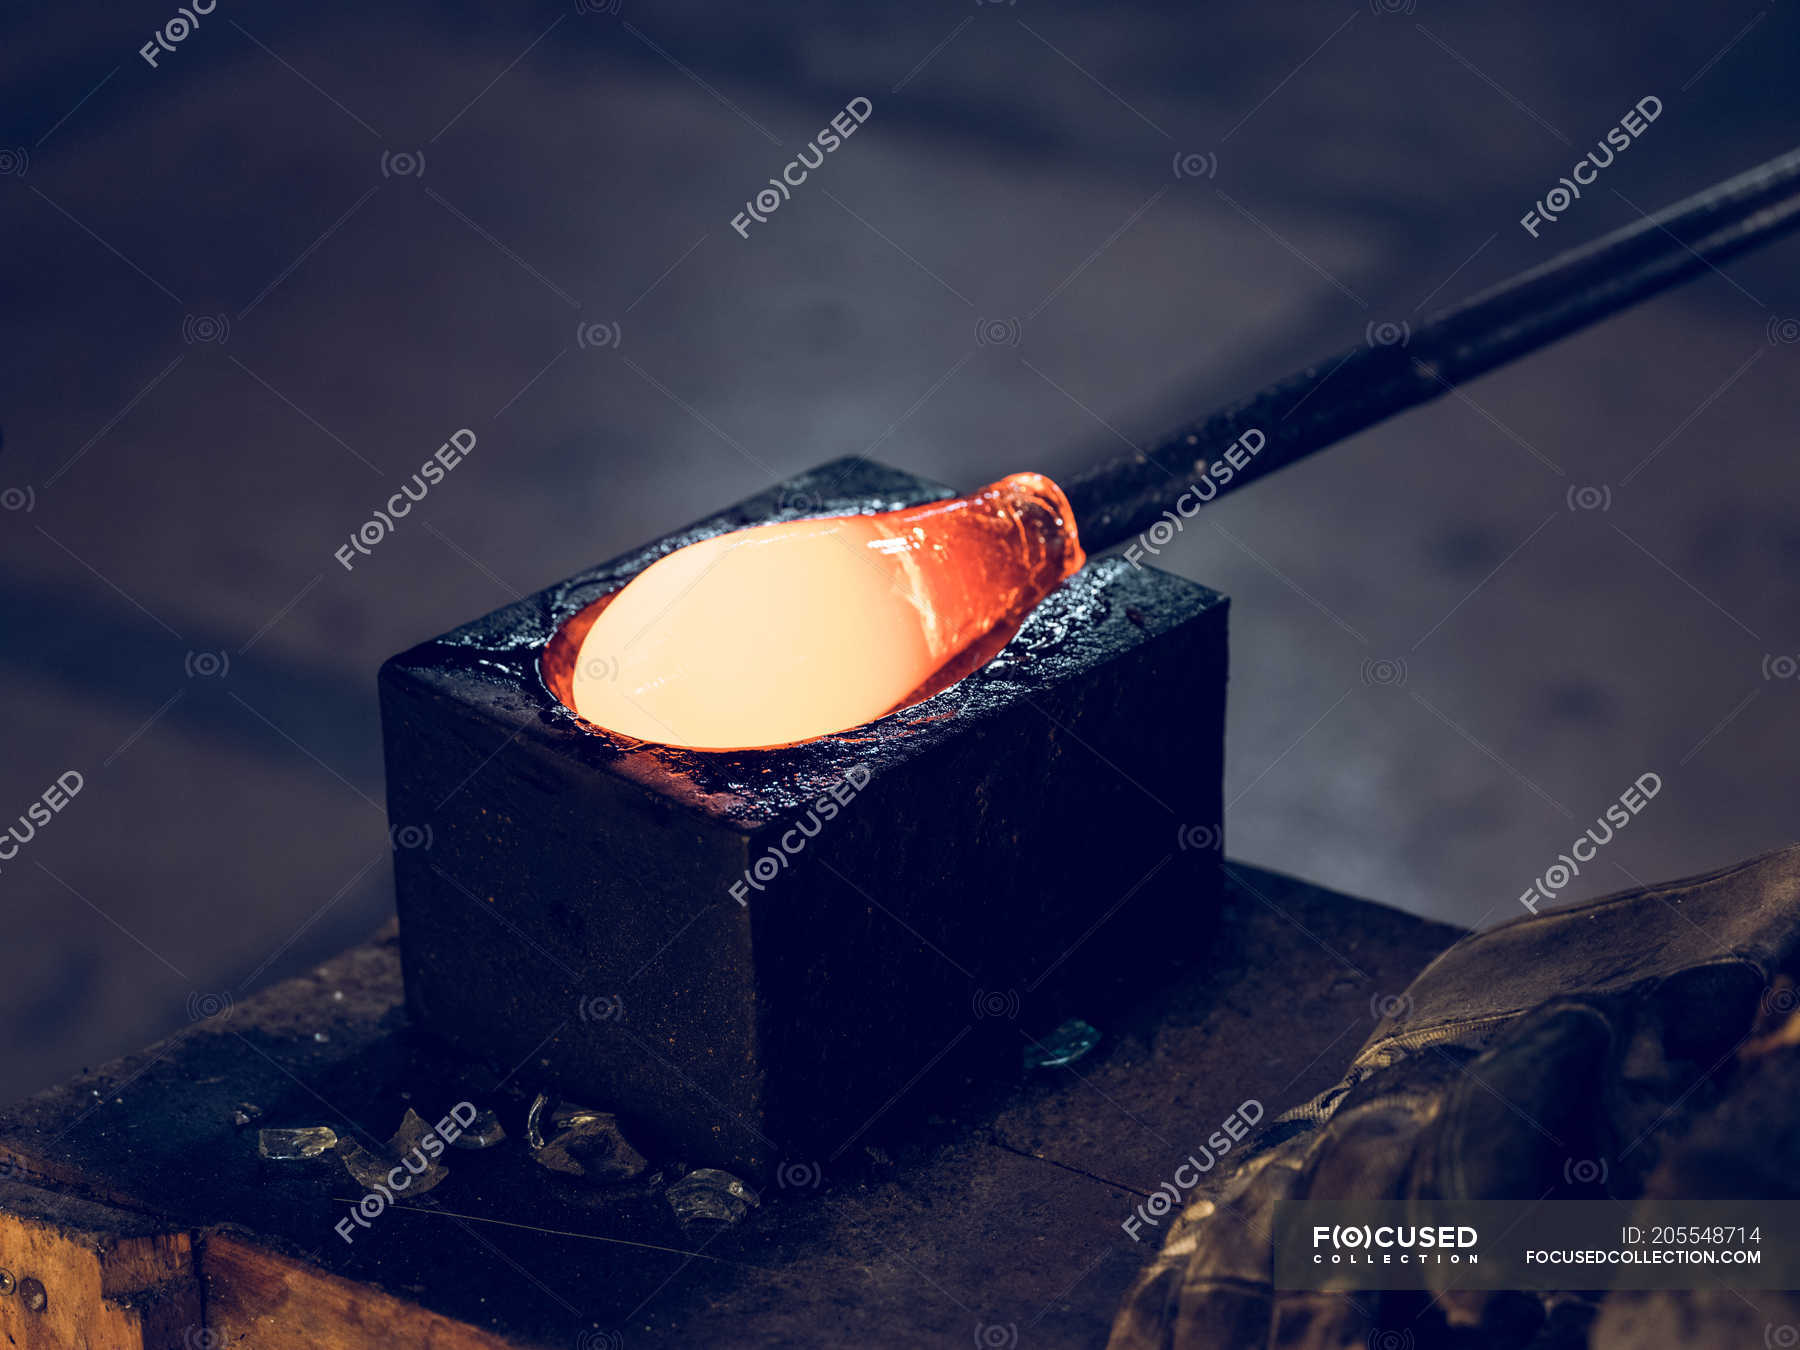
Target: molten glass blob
{"x": 781, "y": 633}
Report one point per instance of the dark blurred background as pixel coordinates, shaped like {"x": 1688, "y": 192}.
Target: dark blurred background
{"x": 252, "y": 287}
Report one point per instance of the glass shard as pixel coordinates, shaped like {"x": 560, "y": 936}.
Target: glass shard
{"x": 1065, "y": 1045}
{"x": 404, "y": 1168}
{"x": 708, "y": 1195}
{"x": 483, "y": 1132}
{"x": 309, "y": 1141}
{"x": 579, "y": 1141}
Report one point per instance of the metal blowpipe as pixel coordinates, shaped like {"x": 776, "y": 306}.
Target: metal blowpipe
{"x": 1328, "y": 401}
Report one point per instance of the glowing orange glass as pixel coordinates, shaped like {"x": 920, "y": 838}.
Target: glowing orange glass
{"x": 782, "y": 633}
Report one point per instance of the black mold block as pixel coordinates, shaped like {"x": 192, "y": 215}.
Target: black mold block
{"x": 997, "y": 854}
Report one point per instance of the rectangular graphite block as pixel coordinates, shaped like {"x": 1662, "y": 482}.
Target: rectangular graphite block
{"x": 754, "y": 956}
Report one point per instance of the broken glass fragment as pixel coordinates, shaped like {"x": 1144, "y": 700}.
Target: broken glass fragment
{"x": 1065, "y": 1045}
{"x": 405, "y": 1167}
{"x": 309, "y": 1141}
{"x": 579, "y": 1141}
{"x": 483, "y": 1132}
{"x": 707, "y": 1195}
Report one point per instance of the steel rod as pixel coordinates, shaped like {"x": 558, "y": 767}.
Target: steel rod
{"x": 1324, "y": 403}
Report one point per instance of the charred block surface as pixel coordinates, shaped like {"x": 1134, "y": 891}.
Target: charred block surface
{"x": 908, "y": 1247}
{"x": 929, "y": 884}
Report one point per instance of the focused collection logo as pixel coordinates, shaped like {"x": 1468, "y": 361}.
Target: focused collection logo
{"x": 1351, "y": 1244}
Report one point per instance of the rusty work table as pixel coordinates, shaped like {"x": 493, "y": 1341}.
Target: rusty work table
{"x": 135, "y": 1213}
